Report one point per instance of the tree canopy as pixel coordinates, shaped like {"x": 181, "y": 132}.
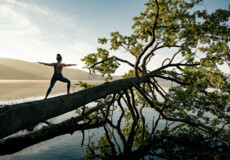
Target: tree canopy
{"x": 198, "y": 42}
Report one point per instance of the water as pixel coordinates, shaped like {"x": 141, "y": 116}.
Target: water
{"x": 17, "y": 91}
{"x": 69, "y": 146}
{"x": 62, "y": 147}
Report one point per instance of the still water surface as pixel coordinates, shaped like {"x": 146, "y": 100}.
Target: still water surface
{"x": 61, "y": 147}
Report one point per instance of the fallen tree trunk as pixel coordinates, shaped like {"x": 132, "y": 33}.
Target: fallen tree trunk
{"x": 15, "y": 144}
{"x": 25, "y": 115}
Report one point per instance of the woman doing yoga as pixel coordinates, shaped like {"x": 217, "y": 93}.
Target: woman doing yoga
{"x": 58, "y": 74}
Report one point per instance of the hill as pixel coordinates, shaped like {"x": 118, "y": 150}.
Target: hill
{"x": 12, "y": 69}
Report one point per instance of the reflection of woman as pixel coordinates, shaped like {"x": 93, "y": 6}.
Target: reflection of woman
{"x": 58, "y": 74}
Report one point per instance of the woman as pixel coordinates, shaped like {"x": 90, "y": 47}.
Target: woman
{"x": 58, "y": 74}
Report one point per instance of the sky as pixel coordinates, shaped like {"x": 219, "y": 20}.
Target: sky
{"x": 36, "y": 30}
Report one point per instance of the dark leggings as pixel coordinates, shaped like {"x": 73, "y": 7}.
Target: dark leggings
{"x": 58, "y": 76}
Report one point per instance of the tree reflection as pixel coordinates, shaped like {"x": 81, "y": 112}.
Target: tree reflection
{"x": 130, "y": 137}
{"x": 129, "y": 134}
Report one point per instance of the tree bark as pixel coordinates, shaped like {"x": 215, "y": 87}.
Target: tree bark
{"x": 25, "y": 115}
{"x": 17, "y": 143}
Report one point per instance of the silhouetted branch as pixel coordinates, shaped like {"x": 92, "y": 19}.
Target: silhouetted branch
{"x": 143, "y": 122}
{"x": 115, "y": 140}
{"x": 154, "y": 125}
{"x": 112, "y": 58}
{"x": 171, "y": 79}
{"x": 176, "y": 127}
{"x": 109, "y": 140}
{"x": 129, "y": 105}
{"x": 147, "y": 58}
{"x": 149, "y": 44}
{"x": 157, "y": 89}
{"x": 197, "y": 125}
{"x": 133, "y": 103}
{"x": 174, "y": 56}
{"x": 164, "y": 61}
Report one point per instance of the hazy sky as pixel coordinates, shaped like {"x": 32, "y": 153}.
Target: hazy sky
{"x": 36, "y": 30}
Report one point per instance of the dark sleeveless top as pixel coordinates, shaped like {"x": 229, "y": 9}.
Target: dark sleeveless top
{"x": 58, "y": 68}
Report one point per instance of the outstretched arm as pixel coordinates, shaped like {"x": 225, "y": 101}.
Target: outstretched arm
{"x": 67, "y": 65}
{"x": 47, "y": 64}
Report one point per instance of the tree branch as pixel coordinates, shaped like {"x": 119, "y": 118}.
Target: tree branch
{"x": 150, "y": 43}
{"x": 149, "y": 55}
{"x": 128, "y": 102}
{"x": 113, "y": 58}
{"x": 154, "y": 126}
{"x": 133, "y": 103}
{"x": 127, "y": 50}
{"x": 197, "y": 125}
{"x": 109, "y": 140}
{"x": 168, "y": 66}
{"x": 171, "y": 79}
{"x": 176, "y": 127}
{"x": 157, "y": 89}
{"x": 174, "y": 56}
{"x": 164, "y": 61}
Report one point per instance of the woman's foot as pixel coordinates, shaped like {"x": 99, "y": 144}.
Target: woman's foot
{"x": 69, "y": 93}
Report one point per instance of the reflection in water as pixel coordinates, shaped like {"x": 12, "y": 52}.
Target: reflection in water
{"x": 136, "y": 139}
{"x": 117, "y": 127}
{"x": 125, "y": 133}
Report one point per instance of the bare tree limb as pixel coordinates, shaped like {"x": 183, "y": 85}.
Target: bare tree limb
{"x": 174, "y": 56}
{"x": 176, "y": 127}
{"x": 164, "y": 61}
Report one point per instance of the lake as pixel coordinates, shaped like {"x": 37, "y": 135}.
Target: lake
{"x": 62, "y": 147}
{"x": 17, "y": 91}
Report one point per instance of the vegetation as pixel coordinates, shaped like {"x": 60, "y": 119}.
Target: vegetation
{"x": 191, "y": 118}
{"x": 199, "y": 103}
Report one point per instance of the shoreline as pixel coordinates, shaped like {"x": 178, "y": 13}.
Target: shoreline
{"x": 23, "y": 81}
